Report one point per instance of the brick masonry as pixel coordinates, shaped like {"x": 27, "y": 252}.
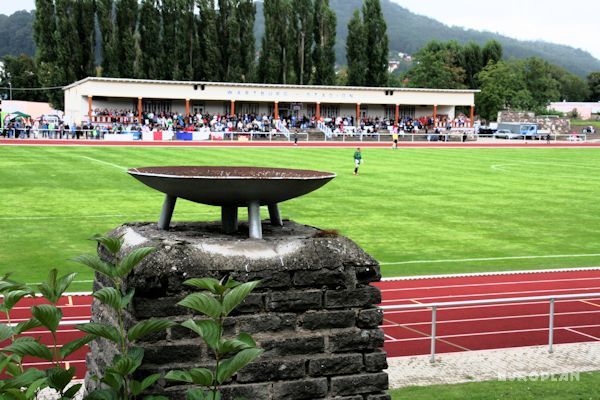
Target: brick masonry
{"x": 314, "y": 313}
{"x": 555, "y": 125}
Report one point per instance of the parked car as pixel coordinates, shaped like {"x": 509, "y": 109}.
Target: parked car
{"x": 486, "y": 131}
{"x": 506, "y": 134}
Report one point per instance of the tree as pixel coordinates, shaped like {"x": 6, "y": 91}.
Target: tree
{"x": 540, "y": 82}
{"x": 594, "y": 86}
{"x": 67, "y": 44}
{"x": 356, "y": 51}
{"x": 276, "y": 56}
{"x": 186, "y": 41}
{"x": 324, "y": 37}
{"x": 303, "y": 29}
{"x": 147, "y": 65}
{"x": 473, "y": 63}
{"x": 104, "y": 10}
{"x": 207, "y": 64}
{"x": 246, "y": 16}
{"x": 376, "y": 44}
{"x": 84, "y": 22}
{"x": 502, "y": 87}
{"x": 492, "y": 52}
{"x": 124, "y": 52}
{"x": 21, "y": 72}
{"x": 437, "y": 65}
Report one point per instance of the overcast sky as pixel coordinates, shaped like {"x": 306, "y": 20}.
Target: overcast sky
{"x": 557, "y": 21}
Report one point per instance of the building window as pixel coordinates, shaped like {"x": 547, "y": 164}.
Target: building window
{"x": 389, "y": 113}
{"x": 330, "y": 110}
{"x": 157, "y": 106}
{"x": 407, "y": 111}
{"x": 246, "y": 108}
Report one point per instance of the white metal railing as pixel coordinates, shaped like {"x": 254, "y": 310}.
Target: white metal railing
{"x": 325, "y": 129}
{"x": 282, "y": 128}
{"x": 435, "y": 306}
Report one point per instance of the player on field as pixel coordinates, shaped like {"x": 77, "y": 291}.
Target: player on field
{"x": 357, "y": 160}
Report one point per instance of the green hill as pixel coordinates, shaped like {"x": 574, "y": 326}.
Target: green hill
{"x": 408, "y": 32}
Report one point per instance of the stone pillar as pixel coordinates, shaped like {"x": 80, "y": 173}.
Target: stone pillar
{"x": 314, "y": 313}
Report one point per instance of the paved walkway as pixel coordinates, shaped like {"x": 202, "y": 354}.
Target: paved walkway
{"x": 485, "y": 365}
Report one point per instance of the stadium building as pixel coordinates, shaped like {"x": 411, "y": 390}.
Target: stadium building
{"x": 82, "y": 98}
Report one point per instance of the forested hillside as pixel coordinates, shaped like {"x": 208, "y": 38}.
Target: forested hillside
{"x": 407, "y": 31}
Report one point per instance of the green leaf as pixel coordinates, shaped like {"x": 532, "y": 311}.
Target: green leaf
{"x": 13, "y": 297}
{"x": 34, "y": 387}
{"x": 231, "y": 366}
{"x": 26, "y": 379}
{"x": 208, "y": 330}
{"x": 203, "y": 303}
{"x": 113, "y": 380}
{"x": 132, "y": 259}
{"x": 27, "y": 325}
{"x": 105, "y": 331}
{"x": 125, "y": 300}
{"x": 149, "y": 381}
{"x": 201, "y": 376}
{"x": 135, "y": 387}
{"x": 179, "y": 376}
{"x": 148, "y": 327}
{"x": 197, "y": 394}
{"x": 63, "y": 283}
{"x": 6, "y": 332}
{"x": 233, "y": 346}
{"x": 124, "y": 365}
{"x": 244, "y": 337}
{"x": 210, "y": 284}
{"x": 155, "y": 397}
{"x": 110, "y": 243}
{"x": 5, "y": 360}
{"x": 72, "y": 391}
{"x": 110, "y": 297}
{"x": 59, "y": 378}
{"x": 30, "y": 348}
{"x": 102, "y": 394}
{"x": 75, "y": 345}
{"x": 237, "y": 295}
{"x": 232, "y": 283}
{"x": 96, "y": 264}
{"x": 48, "y": 315}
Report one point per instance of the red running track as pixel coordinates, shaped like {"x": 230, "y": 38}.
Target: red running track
{"x": 481, "y": 327}
{"x": 407, "y": 333}
{"x": 226, "y": 143}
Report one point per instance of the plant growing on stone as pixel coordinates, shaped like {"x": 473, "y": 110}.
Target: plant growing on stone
{"x": 22, "y": 383}
{"x": 117, "y": 379}
{"x": 215, "y": 302}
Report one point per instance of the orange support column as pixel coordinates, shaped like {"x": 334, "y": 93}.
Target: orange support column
{"x": 435, "y": 116}
{"x": 357, "y": 122}
{"x": 397, "y": 114}
{"x": 90, "y": 108}
{"x": 276, "y": 110}
{"x": 318, "y": 116}
{"x": 232, "y": 112}
{"x": 140, "y": 110}
{"x": 472, "y": 116}
{"x": 187, "y": 107}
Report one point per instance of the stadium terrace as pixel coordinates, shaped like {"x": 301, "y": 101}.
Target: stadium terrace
{"x": 279, "y": 101}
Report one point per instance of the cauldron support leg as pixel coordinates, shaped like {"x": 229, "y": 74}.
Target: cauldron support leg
{"x": 167, "y": 212}
{"x": 254, "y": 223}
{"x": 229, "y": 219}
{"x": 274, "y": 215}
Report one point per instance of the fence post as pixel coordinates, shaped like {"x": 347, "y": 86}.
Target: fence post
{"x": 433, "y": 322}
{"x": 551, "y": 328}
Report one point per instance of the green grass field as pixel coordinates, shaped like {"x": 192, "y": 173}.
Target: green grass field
{"x": 417, "y": 211}
{"x": 584, "y": 389}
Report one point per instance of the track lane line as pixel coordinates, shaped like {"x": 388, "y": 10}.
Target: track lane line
{"x": 582, "y": 334}
{"x": 442, "y": 340}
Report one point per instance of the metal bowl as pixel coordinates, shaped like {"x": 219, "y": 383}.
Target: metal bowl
{"x": 230, "y": 188}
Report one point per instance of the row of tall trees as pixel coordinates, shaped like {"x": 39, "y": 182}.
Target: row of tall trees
{"x": 367, "y": 47}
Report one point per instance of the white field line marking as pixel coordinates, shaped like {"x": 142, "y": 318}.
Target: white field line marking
{"x": 495, "y": 333}
{"x": 104, "y": 162}
{"x": 427, "y": 310}
{"x": 483, "y": 295}
{"x": 495, "y": 273}
{"x": 491, "y": 284}
{"x": 489, "y": 259}
{"x": 582, "y": 334}
{"x": 389, "y": 337}
{"x": 438, "y": 322}
{"x": 60, "y": 217}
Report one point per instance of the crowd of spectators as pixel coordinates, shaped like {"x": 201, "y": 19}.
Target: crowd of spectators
{"x": 106, "y": 121}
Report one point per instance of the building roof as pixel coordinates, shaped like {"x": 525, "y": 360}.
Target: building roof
{"x": 263, "y": 85}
